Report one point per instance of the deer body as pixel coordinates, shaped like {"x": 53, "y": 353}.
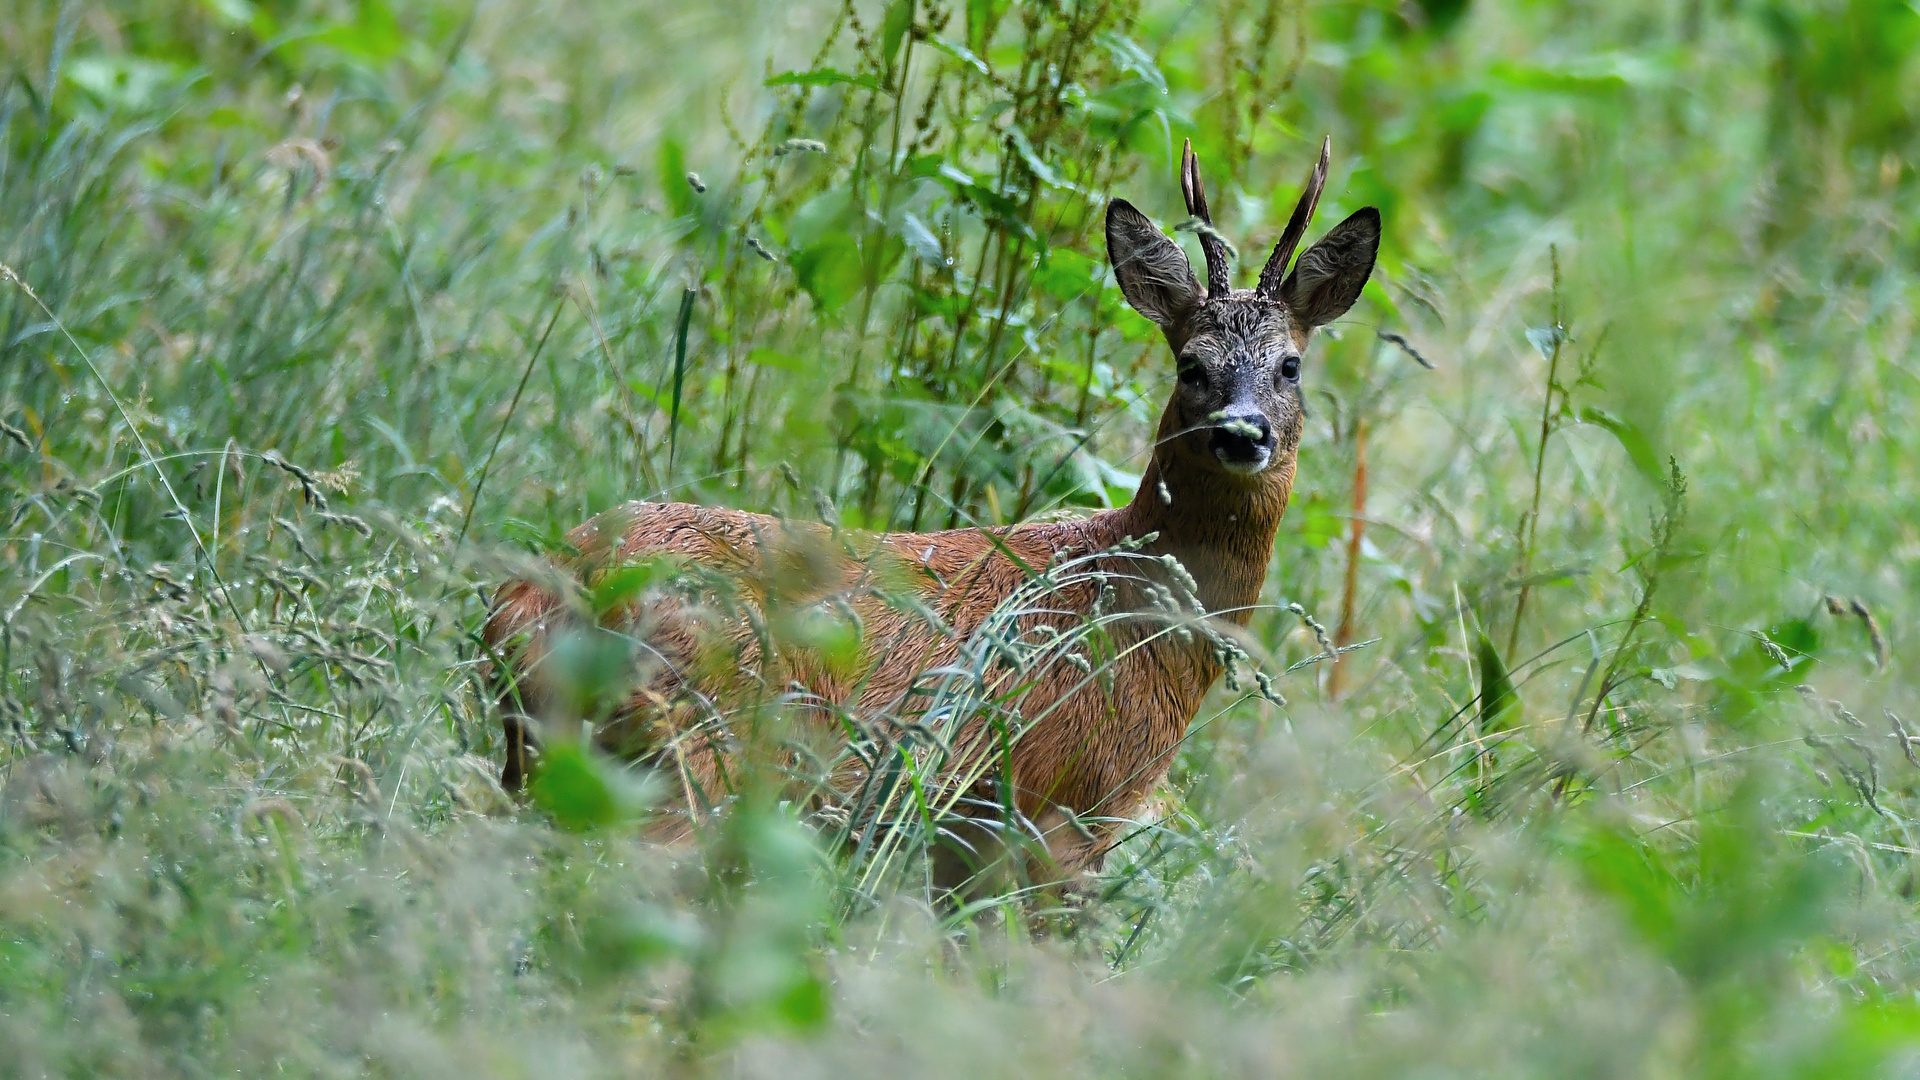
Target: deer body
{"x": 1210, "y": 503}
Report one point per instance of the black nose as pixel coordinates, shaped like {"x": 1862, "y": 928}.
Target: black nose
{"x": 1242, "y": 438}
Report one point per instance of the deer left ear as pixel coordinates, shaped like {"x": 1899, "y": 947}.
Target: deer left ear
{"x": 1153, "y": 272}
{"x": 1328, "y": 277}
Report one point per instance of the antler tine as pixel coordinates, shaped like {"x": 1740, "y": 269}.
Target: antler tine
{"x": 1276, "y": 269}
{"x": 1219, "y": 281}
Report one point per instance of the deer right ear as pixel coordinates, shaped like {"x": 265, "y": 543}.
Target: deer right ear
{"x": 1330, "y": 274}
{"x": 1153, "y": 272}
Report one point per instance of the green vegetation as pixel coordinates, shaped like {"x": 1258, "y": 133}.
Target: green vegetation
{"x": 328, "y": 315}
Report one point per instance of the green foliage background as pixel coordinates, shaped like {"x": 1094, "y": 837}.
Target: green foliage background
{"x": 321, "y": 317}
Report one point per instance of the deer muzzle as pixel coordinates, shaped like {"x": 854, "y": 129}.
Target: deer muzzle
{"x": 1243, "y": 443}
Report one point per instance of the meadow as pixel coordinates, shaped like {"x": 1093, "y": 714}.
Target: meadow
{"x": 1576, "y": 737}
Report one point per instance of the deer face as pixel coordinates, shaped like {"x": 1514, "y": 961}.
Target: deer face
{"x": 1236, "y": 394}
{"x": 1239, "y": 352}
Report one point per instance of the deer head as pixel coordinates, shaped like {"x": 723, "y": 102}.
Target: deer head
{"x": 1236, "y": 404}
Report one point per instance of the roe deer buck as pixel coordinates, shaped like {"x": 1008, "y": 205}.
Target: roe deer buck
{"x": 1074, "y": 747}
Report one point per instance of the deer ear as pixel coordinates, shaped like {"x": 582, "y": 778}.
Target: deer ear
{"x": 1153, "y": 271}
{"x": 1330, "y": 274}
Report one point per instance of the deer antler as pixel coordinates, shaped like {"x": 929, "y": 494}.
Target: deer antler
{"x": 1219, "y": 283}
{"x": 1276, "y": 269}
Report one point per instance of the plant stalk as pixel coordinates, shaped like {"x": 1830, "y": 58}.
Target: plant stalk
{"x": 1343, "y": 636}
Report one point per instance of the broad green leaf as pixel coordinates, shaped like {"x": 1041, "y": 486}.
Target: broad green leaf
{"x": 1606, "y": 74}
{"x": 592, "y": 670}
{"x": 921, "y": 241}
{"x": 1499, "y": 701}
{"x": 1442, "y": 15}
{"x": 1314, "y": 522}
{"x": 128, "y": 82}
{"x": 673, "y": 177}
{"x": 775, "y": 359}
{"x": 372, "y": 38}
{"x": 1130, "y": 57}
{"x": 231, "y": 12}
{"x": 1545, "y": 339}
{"x": 827, "y": 214}
{"x": 821, "y": 633}
{"x": 1632, "y": 440}
{"x": 805, "y": 1005}
{"x": 1067, "y": 275}
{"x": 899, "y": 21}
{"x": 961, "y": 53}
{"x": 577, "y": 788}
{"x": 622, "y": 584}
{"x": 1036, "y": 164}
{"x": 829, "y": 270}
{"x": 983, "y": 16}
{"x": 825, "y": 77}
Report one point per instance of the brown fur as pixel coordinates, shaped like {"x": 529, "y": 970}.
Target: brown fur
{"x": 1095, "y": 746}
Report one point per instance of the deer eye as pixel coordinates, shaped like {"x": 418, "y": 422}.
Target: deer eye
{"x": 1193, "y": 374}
{"x": 1290, "y": 369}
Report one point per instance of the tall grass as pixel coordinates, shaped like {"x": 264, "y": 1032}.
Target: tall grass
{"x": 322, "y": 319}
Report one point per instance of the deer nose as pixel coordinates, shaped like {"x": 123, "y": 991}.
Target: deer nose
{"x": 1246, "y": 439}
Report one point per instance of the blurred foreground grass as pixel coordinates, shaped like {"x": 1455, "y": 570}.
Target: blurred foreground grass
{"x": 327, "y": 315}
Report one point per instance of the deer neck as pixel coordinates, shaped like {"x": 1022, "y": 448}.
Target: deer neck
{"x": 1218, "y": 525}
